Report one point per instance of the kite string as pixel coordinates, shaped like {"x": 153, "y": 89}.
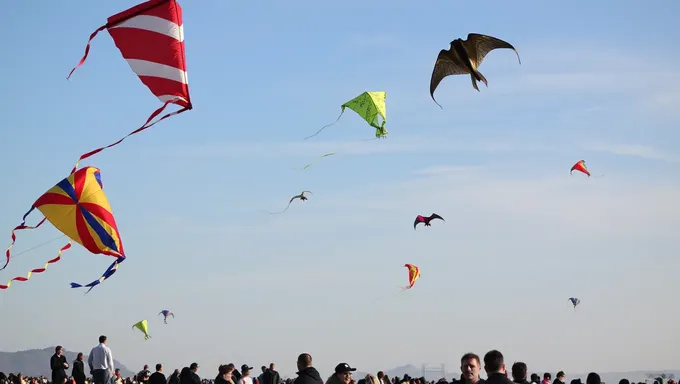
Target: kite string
{"x": 143, "y": 127}
{"x": 326, "y": 126}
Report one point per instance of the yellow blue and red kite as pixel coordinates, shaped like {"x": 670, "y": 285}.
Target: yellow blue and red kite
{"x": 78, "y": 207}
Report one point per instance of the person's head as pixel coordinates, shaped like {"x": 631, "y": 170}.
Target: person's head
{"x": 493, "y": 362}
{"x": 79, "y": 357}
{"x": 304, "y": 361}
{"x": 272, "y": 367}
{"x": 469, "y": 366}
{"x": 58, "y": 350}
{"x": 193, "y": 367}
{"x": 117, "y": 372}
{"x": 176, "y": 372}
{"x": 593, "y": 378}
{"x": 560, "y": 376}
{"x": 245, "y": 369}
{"x": 102, "y": 339}
{"x": 380, "y": 375}
{"x": 344, "y": 372}
{"x": 226, "y": 371}
{"x": 159, "y": 367}
{"x": 625, "y": 381}
{"x": 519, "y": 372}
{"x": 263, "y": 368}
{"x": 546, "y": 377}
{"x": 535, "y": 378}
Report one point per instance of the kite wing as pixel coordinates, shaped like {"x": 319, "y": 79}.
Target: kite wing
{"x": 370, "y": 105}
{"x": 413, "y": 275}
{"x": 78, "y": 207}
{"x": 446, "y": 65}
{"x": 581, "y": 167}
{"x": 144, "y": 327}
{"x": 150, "y": 36}
{"x": 419, "y": 219}
{"x": 436, "y": 216}
{"x": 478, "y": 46}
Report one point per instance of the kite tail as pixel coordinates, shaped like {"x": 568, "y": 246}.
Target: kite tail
{"x": 108, "y": 273}
{"x": 19, "y": 227}
{"x": 38, "y": 270}
{"x": 143, "y": 127}
{"x": 326, "y": 126}
{"x": 314, "y": 161}
{"x": 87, "y": 50}
{"x": 276, "y": 213}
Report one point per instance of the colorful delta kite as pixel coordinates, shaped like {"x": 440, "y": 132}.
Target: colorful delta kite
{"x": 368, "y": 105}
{"x": 413, "y": 275}
{"x": 78, "y": 207}
{"x": 144, "y": 327}
{"x": 165, "y": 314}
{"x": 575, "y": 301}
{"x": 581, "y": 167}
{"x": 150, "y": 36}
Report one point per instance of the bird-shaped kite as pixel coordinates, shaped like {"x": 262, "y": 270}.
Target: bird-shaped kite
{"x": 464, "y": 57}
{"x": 426, "y": 220}
{"x": 581, "y": 167}
{"x": 144, "y": 327}
{"x": 301, "y": 196}
{"x": 78, "y": 207}
{"x": 150, "y": 36}
{"x": 575, "y": 301}
{"x": 368, "y": 105}
{"x": 413, "y": 275}
{"x": 165, "y": 314}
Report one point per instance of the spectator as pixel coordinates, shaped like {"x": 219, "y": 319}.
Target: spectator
{"x": 342, "y": 374}
{"x": 245, "y": 375}
{"x": 174, "y": 378}
{"x": 559, "y": 378}
{"x": 470, "y": 367}
{"x": 546, "y": 378}
{"x": 593, "y": 378}
{"x": 158, "y": 377}
{"x": 58, "y": 364}
{"x": 224, "y": 374}
{"x": 101, "y": 362}
{"x": 494, "y": 365}
{"x": 307, "y": 374}
{"x": 519, "y": 373}
{"x": 78, "y": 371}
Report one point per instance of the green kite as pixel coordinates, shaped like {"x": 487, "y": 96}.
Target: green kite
{"x": 144, "y": 327}
{"x": 368, "y": 105}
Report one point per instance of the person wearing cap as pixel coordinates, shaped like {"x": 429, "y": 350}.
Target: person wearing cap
{"x": 559, "y": 378}
{"x": 307, "y": 374}
{"x": 245, "y": 375}
{"x": 342, "y": 375}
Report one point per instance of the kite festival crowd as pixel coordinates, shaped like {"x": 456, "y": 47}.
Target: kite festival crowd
{"x": 102, "y": 371}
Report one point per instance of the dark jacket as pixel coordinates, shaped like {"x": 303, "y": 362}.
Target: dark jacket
{"x": 58, "y": 370}
{"x": 174, "y": 379}
{"x": 497, "y": 378}
{"x": 157, "y": 378}
{"x": 270, "y": 377}
{"x": 78, "y": 372}
{"x": 308, "y": 375}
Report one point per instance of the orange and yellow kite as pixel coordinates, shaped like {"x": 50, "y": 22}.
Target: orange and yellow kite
{"x": 413, "y": 275}
{"x": 78, "y": 207}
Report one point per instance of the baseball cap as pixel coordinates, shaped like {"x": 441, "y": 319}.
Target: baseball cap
{"x": 246, "y": 367}
{"x": 344, "y": 367}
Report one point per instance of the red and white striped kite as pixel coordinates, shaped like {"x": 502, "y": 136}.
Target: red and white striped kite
{"x": 150, "y": 36}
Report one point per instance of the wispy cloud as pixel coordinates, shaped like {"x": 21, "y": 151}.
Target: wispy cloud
{"x": 642, "y": 151}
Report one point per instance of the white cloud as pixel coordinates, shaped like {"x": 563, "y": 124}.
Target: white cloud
{"x": 641, "y": 151}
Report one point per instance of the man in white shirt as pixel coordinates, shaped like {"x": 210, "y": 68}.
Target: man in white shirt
{"x": 101, "y": 362}
{"x": 245, "y": 375}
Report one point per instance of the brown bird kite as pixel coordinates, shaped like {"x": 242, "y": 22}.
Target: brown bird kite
{"x": 464, "y": 57}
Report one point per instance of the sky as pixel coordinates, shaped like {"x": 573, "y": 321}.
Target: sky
{"x": 191, "y": 195}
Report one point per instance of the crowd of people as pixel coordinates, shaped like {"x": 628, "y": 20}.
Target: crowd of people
{"x": 102, "y": 371}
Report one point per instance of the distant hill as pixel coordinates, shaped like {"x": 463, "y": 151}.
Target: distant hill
{"x": 36, "y": 362}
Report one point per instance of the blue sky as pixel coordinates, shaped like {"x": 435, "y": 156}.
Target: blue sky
{"x": 597, "y": 82}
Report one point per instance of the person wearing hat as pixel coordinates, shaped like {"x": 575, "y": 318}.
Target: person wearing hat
{"x": 245, "y": 375}
{"x": 342, "y": 375}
